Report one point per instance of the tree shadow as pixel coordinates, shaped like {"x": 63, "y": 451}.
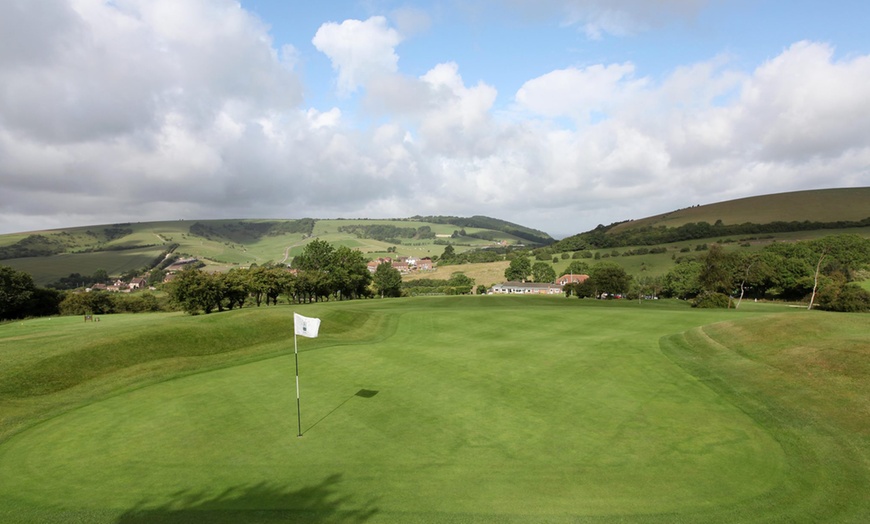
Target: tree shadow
{"x": 257, "y": 503}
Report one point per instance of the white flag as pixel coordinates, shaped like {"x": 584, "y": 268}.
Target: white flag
{"x": 305, "y": 326}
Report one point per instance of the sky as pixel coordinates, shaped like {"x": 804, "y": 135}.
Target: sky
{"x": 558, "y": 115}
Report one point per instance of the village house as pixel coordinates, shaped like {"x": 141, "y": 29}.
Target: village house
{"x": 571, "y": 279}
{"x": 526, "y": 288}
{"x": 425, "y": 264}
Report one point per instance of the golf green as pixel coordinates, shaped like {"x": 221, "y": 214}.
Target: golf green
{"x": 480, "y": 412}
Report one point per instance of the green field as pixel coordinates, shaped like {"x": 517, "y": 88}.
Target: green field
{"x": 441, "y": 409}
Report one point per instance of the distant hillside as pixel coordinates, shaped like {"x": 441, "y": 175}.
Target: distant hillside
{"x": 532, "y": 235}
{"x": 823, "y": 209}
{"x": 820, "y": 205}
{"x": 222, "y": 244}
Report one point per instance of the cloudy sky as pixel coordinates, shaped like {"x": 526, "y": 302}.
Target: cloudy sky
{"x": 555, "y": 114}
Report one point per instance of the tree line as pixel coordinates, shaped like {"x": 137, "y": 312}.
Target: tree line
{"x": 320, "y": 272}
{"x": 822, "y": 272}
{"x": 602, "y": 236}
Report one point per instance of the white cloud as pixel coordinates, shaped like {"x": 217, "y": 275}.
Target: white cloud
{"x": 155, "y": 109}
{"x": 457, "y": 120}
{"x": 359, "y": 50}
{"x": 579, "y": 93}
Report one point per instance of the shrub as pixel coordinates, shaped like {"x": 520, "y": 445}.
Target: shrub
{"x": 710, "y": 299}
{"x": 850, "y": 299}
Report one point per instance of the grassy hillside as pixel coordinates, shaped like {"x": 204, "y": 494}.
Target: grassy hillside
{"x": 446, "y": 409}
{"x": 820, "y": 205}
{"x": 222, "y": 244}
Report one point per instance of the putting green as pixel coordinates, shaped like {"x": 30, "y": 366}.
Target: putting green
{"x": 463, "y": 414}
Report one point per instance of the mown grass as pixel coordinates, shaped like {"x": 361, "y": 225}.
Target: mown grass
{"x": 476, "y": 409}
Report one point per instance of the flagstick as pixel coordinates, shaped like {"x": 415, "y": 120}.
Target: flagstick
{"x": 298, "y": 410}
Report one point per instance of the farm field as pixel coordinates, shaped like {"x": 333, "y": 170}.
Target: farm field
{"x": 440, "y": 409}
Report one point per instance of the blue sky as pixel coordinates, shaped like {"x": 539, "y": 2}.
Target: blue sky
{"x": 555, "y": 114}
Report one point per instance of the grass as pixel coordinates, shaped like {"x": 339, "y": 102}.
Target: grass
{"x": 822, "y": 205}
{"x": 443, "y": 409}
{"x": 45, "y": 270}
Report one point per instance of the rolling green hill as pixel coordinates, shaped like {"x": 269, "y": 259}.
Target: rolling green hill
{"x": 794, "y": 213}
{"x": 222, "y": 244}
{"x": 820, "y": 205}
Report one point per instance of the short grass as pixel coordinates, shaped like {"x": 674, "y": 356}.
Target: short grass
{"x": 444, "y": 409}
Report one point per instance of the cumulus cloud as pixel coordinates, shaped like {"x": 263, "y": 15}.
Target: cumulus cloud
{"x": 359, "y": 50}
{"x": 155, "y": 109}
{"x": 579, "y": 93}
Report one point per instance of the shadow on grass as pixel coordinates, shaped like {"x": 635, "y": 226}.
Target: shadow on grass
{"x": 364, "y": 393}
{"x": 262, "y": 502}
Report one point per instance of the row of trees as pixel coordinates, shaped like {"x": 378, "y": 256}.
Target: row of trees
{"x": 822, "y": 272}
{"x": 321, "y": 272}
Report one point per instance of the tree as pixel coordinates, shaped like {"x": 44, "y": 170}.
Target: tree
{"x": 682, "y": 280}
{"x": 716, "y": 275}
{"x": 576, "y": 267}
{"x": 235, "y": 287}
{"x": 448, "y": 254}
{"x": 317, "y": 255}
{"x": 543, "y": 272}
{"x": 350, "y": 273}
{"x": 609, "y": 277}
{"x": 194, "y": 291}
{"x": 101, "y": 276}
{"x": 460, "y": 283}
{"x": 519, "y": 269}
{"x": 387, "y": 280}
{"x": 16, "y": 289}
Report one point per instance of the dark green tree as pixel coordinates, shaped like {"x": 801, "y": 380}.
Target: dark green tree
{"x": 387, "y": 280}
{"x": 195, "y": 291}
{"x": 610, "y": 278}
{"x": 350, "y": 273}
{"x": 576, "y": 267}
{"x": 100, "y": 276}
{"x": 682, "y": 280}
{"x": 543, "y": 272}
{"x": 460, "y": 283}
{"x": 519, "y": 269}
{"x": 16, "y": 289}
{"x": 317, "y": 255}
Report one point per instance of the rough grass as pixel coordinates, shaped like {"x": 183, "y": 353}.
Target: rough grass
{"x": 453, "y": 409}
{"x": 821, "y": 205}
{"x": 805, "y": 379}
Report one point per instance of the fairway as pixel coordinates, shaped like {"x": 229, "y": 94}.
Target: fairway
{"x": 477, "y": 409}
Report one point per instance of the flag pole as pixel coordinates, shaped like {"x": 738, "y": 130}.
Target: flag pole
{"x": 298, "y": 410}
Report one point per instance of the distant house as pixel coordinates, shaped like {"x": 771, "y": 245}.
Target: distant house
{"x": 526, "y": 288}
{"x": 571, "y": 279}
{"x": 373, "y": 265}
{"x": 138, "y": 283}
{"x": 425, "y": 264}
